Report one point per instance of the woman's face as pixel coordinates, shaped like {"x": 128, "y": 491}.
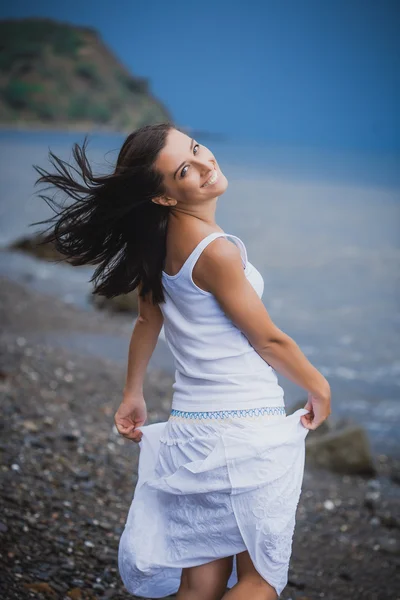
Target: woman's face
{"x": 190, "y": 170}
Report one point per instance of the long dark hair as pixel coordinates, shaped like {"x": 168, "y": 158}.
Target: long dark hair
{"x": 112, "y": 221}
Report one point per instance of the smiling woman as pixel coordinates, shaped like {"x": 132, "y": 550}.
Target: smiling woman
{"x": 219, "y": 482}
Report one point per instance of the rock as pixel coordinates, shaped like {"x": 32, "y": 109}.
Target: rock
{"x": 295, "y": 582}
{"x": 395, "y": 475}
{"x": 70, "y": 436}
{"x": 345, "y": 575}
{"x": 30, "y": 426}
{"x": 60, "y": 587}
{"x": 75, "y": 593}
{"x": 43, "y": 575}
{"x": 41, "y": 587}
{"x": 343, "y": 451}
{"x": 329, "y": 505}
{"x": 125, "y": 303}
{"x": 374, "y": 484}
{"x": 83, "y": 475}
{"x": 389, "y": 545}
{"x": 372, "y": 499}
{"x": 3, "y": 528}
{"x": 37, "y": 246}
{"x": 388, "y": 519}
{"x": 110, "y": 593}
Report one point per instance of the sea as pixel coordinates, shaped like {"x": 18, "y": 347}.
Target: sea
{"x": 321, "y": 225}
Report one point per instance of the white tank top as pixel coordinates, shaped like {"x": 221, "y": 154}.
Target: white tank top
{"x": 216, "y": 367}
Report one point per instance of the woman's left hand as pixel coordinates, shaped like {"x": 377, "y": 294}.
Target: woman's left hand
{"x": 131, "y": 414}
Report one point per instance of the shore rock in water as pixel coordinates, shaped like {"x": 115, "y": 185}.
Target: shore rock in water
{"x": 339, "y": 445}
{"x": 344, "y": 451}
{"x": 127, "y": 303}
{"x": 35, "y": 245}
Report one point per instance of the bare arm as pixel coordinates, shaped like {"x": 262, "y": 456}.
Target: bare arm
{"x": 220, "y": 271}
{"x": 143, "y": 341}
{"x": 132, "y": 412}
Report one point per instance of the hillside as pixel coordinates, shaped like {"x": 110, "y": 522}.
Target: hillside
{"x": 59, "y": 75}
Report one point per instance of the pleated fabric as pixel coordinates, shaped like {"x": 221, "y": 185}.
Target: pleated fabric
{"x": 210, "y": 488}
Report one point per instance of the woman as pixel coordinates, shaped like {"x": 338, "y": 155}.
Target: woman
{"x": 219, "y": 482}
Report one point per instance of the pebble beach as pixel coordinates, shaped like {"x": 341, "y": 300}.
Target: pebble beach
{"x": 68, "y": 477}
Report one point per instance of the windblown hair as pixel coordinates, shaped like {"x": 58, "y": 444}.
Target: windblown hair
{"x": 112, "y": 221}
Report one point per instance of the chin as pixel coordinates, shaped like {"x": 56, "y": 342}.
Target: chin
{"x": 224, "y": 185}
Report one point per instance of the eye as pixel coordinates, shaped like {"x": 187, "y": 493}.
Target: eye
{"x": 183, "y": 172}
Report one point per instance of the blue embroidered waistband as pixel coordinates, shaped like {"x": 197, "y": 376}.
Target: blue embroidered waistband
{"x": 222, "y": 414}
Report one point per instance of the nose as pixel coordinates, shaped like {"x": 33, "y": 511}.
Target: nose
{"x": 205, "y": 165}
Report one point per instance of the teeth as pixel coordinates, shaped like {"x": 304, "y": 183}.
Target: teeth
{"x": 212, "y": 179}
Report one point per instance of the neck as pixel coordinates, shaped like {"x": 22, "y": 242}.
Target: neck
{"x": 204, "y": 214}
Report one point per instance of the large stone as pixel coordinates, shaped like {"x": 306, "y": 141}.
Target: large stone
{"x": 36, "y": 245}
{"x": 343, "y": 450}
{"x": 127, "y": 303}
{"x": 339, "y": 445}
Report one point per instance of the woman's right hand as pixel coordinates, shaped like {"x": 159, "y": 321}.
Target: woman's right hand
{"x": 320, "y": 409}
{"x": 131, "y": 414}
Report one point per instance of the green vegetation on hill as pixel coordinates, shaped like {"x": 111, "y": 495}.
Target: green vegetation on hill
{"x": 54, "y": 73}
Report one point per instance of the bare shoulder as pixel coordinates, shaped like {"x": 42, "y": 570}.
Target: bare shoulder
{"x": 221, "y": 249}
{"x": 219, "y": 265}
{"x": 219, "y": 270}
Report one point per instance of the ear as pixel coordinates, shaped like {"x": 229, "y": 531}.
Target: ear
{"x": 164, "y": 201}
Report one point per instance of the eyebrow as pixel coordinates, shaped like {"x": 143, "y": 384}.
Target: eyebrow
{"x": 181, "y": 165}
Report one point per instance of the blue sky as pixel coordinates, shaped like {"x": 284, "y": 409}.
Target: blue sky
{"x": 313, "y": 73}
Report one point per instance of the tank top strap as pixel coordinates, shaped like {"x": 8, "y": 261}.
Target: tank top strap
{"x": 241, "y": 247}
{"x": 191, "y": 261}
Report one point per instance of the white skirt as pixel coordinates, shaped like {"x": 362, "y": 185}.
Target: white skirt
{"x": 211, "y": 485}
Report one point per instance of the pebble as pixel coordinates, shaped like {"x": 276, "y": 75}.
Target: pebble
{"x": 389, "y": 544}
{"x": 70, "y": 436}
{"x": 372, "y": 499}
{"x": 82, "y": 475}
{"x": 30, "y": 426}
{"x": 374, "y": 484}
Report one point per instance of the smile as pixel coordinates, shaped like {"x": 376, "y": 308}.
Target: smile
{"x": 212, "y": 179}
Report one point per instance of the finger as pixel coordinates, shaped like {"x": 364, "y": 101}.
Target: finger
{"x": 135, "y": 436}
{"x": 131, "y": 439}
{"x": 125, "y": 428}
{"x": 306, "y": 418}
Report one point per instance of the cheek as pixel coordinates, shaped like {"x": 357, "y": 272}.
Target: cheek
{"x": 193, "y": 182}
